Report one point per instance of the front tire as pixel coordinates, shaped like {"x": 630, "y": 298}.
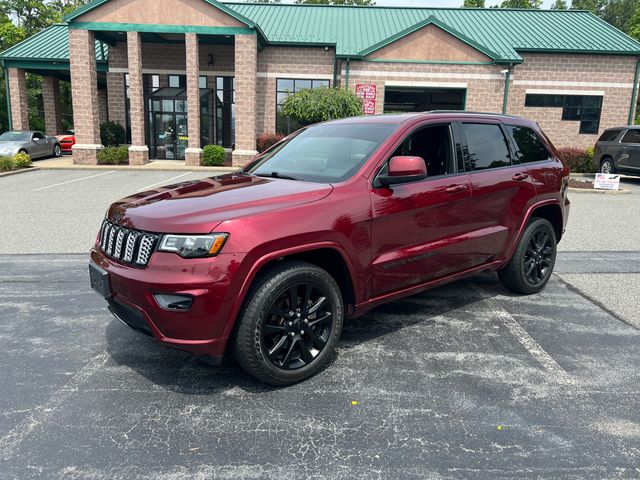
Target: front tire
{"x": 532, "y": 263}
{"x": 290, "y": 325}
{"x": 607, "y": 166}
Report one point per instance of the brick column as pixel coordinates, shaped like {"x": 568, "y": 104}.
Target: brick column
{"x": 51, "y": 100}
{"x": 138, "y": 151}
{"x": 84, "y": 89}
{"x": 246, "y": 57}
{"x": 116, "y": 94}
{"x": 193, "y": 154}
{"x": 19, "y": 99}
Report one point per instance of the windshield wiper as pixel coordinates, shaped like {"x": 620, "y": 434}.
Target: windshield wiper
{"x": 278, "y": 175}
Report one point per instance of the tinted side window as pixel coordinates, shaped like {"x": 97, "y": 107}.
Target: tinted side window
{"x": 487, "y": 146}
{"x": 433, "y": 144}
{"x": 37, "y": 136}
{"x": 632, "y": 136}
{"x": 529, "y": 147}
{"x": 609, "y": 136}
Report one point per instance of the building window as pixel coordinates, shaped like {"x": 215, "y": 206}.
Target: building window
{"x": 284, "y": 88}
{"x": 155, "y": 82}
{"x": 583, "y": 108}
{"x": 177, "y": 81}
{"x": 225, "y": 112}
{"x": 203, "y": 82}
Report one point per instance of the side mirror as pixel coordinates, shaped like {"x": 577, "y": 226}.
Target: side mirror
{"x": 403, "y": 170}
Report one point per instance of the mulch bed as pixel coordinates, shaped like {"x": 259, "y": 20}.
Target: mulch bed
{"x": 588, "y": 185}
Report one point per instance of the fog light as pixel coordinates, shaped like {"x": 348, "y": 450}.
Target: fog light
{"x": 179, "y": 303}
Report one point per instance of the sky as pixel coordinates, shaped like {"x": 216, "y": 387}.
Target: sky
{"x": 440, "y": 3}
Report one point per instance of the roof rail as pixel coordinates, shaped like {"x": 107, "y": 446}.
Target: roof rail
{"x": 493, "y": 114}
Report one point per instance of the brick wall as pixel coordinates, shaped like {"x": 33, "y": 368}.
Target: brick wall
{"x": 84, "y": 87}
{"x": 246, "y": 53}
{"x": 608, "y": 73}
{"x": 286, "y": 62}
{"x": 19, "y": 99}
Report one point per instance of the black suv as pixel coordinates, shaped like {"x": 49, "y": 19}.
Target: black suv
{"x": 618, "y": 151}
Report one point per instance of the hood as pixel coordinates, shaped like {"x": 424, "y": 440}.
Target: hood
{"x": 199, "y": 206}
{"x": 10, "y": 146}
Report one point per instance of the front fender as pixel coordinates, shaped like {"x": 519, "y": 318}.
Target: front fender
{"x": 255, "y": 263}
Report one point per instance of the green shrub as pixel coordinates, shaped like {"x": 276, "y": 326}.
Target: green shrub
{"x": 112, "y": 134}
{"x": 213, "y": 156}
{"x": 113, "y": 155}
{"x": 6, "y": 163}
{"x": 267, "y": 140}
{"x": 322, "y": 104}
{"x": 21, "y": 160}
{"x": 579, "y": 160}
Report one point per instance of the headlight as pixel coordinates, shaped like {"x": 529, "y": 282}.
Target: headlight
{"x": 193, "y": 246}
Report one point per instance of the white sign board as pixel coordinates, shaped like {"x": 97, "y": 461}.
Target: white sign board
{"x": 607, "y": 182}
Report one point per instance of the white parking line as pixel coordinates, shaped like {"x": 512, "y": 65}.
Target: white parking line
{"x": 523, "y": 337}
{"x": 162, "y": 182}
{"x": 76, "y": 180}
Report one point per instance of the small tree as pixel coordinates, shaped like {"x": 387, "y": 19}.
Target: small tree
{"x": 322, "y": 104}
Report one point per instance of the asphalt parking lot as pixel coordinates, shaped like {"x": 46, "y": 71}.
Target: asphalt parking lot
{"x": 465, "y": 381}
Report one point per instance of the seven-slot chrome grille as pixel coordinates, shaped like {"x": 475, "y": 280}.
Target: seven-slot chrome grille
{"x": 127, "y": 245}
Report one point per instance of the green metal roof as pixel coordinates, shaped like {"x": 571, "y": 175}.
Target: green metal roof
{"x": 357, "y": 31}
{"x": 51, "y": 44}
{"x": 501, "y": 33}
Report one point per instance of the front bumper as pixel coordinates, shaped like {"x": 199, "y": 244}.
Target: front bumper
{"x": 201, "y": 330}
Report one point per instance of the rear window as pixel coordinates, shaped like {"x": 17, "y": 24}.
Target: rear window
{"x": 487, "y": 145}
{"x": 529, "y": 147}
{"x": 609, "y": 135}
{"x": 632, "y": 136}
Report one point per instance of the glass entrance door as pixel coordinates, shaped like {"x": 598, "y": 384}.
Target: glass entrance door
{"x": 171, "y": 135}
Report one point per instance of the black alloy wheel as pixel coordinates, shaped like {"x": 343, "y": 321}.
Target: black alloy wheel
{"x": 290, "y": 324}
{"x": 532, "y": 263}
{"x": 538, "y": 257}
{"x": 297, "y": 326}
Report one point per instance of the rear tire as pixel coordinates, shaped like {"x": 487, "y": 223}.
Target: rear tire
{"x": 290, "y": 325}
{"x": 57, "y": 151}
{"x": 607, "y": 166}
{"x": 532, "y": 264}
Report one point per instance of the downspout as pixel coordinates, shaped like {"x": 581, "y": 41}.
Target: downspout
{"x": 505, "y": 100}
{"x": 634, "y": 96}
{"x": 8, "y": 97}
{"x": 348, "y": 72}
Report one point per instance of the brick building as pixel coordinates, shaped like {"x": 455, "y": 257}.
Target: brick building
{"x": 180, "y": 74}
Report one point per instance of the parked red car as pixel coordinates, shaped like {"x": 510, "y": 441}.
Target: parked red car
{"x": 67, "y": 141}
{"x": 329, "y": 223}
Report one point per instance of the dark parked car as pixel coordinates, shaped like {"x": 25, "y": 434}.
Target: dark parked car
{"x": 618, "y": 151}
{"x": 331, "y": 222}
{"x": 35, "y": 144}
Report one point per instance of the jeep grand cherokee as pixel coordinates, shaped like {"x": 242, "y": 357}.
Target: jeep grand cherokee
{"x": 329, "y": 223}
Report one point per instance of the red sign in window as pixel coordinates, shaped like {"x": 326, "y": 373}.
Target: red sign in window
{"x": 368, "y": 95}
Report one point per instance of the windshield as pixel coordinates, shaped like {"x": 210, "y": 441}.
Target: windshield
{"x": 324, "y": 153}
{"x": 15, "y": 137}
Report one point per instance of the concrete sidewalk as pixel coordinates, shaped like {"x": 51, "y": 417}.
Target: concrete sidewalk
{"x": 66, "y": 163}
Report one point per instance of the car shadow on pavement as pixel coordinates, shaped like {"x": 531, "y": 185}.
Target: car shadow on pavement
{"x": 186, "y": 374}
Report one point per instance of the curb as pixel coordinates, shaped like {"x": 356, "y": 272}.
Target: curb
{"x": 600, "y": 192}
{"x": 18, "y": 172}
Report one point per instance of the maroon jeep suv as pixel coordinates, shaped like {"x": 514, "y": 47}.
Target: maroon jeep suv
{"x": 329, "y": 223}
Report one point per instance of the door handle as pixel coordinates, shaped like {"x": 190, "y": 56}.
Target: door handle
{"x": 519, "y": 177}
{"x": 453, "y": 189}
